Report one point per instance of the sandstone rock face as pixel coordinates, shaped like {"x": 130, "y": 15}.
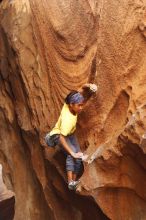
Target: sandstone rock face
{"x": 48, "y": 48}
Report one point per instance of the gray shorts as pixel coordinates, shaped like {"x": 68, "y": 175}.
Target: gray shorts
{"x": 72, "y": 164}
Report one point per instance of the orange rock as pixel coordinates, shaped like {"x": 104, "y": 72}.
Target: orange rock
{"x": 48, "y": 48}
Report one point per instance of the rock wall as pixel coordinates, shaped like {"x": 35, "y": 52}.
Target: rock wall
{"x": 48, "y": 48}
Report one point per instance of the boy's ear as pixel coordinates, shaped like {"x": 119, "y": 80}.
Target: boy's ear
{"x": 71, "y": 105}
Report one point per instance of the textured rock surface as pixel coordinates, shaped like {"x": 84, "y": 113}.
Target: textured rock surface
{"x": 46, "y": 49}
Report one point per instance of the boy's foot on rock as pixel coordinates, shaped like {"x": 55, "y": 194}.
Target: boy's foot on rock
{"x": 71, "y": 185}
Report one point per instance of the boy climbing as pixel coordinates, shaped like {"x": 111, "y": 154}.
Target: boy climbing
{"x": 63, "y": 132}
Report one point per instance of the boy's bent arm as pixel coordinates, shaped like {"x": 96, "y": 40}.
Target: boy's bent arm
{"x": 87, "y": 90}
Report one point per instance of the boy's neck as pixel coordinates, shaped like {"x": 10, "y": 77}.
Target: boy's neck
{"x": 70, "y": 109}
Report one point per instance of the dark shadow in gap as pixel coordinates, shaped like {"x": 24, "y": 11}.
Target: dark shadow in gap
{"x": 7, "y": 201}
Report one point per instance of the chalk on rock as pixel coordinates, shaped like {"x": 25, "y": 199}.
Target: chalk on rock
{"x": 84, "y": 157}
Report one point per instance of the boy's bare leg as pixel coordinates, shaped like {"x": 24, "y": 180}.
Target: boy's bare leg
{"x": 74, "y": 176}
{"x": 69, "y": 176}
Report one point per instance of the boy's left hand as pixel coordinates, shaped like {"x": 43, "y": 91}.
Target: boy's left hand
{"x": 77, "y": 155}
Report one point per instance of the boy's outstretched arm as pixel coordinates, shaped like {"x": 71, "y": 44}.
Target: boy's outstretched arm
{"x": 68, "y": 149}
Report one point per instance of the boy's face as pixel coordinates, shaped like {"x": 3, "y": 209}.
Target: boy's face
{"x": 77, "y": 108}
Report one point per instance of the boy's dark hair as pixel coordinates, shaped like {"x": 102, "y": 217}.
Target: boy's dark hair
{"x": 67, "y": 99}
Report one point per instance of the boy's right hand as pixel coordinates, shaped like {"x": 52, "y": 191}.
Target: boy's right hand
{"x": 77, "y": 155}
{"x": 92, "y": 87}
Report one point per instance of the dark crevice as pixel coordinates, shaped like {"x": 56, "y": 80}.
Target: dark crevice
{"x": 7, "y": 198}
{"x": 135, "y": 152}
{"x": 88, "y": 208}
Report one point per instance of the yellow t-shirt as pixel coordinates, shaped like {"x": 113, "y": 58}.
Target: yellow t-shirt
{"x": 66, "y": 123}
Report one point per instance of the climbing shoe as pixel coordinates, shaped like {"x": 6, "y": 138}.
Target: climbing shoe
{"x": 76, "y": 183}
{"x": 71, "y": 185}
